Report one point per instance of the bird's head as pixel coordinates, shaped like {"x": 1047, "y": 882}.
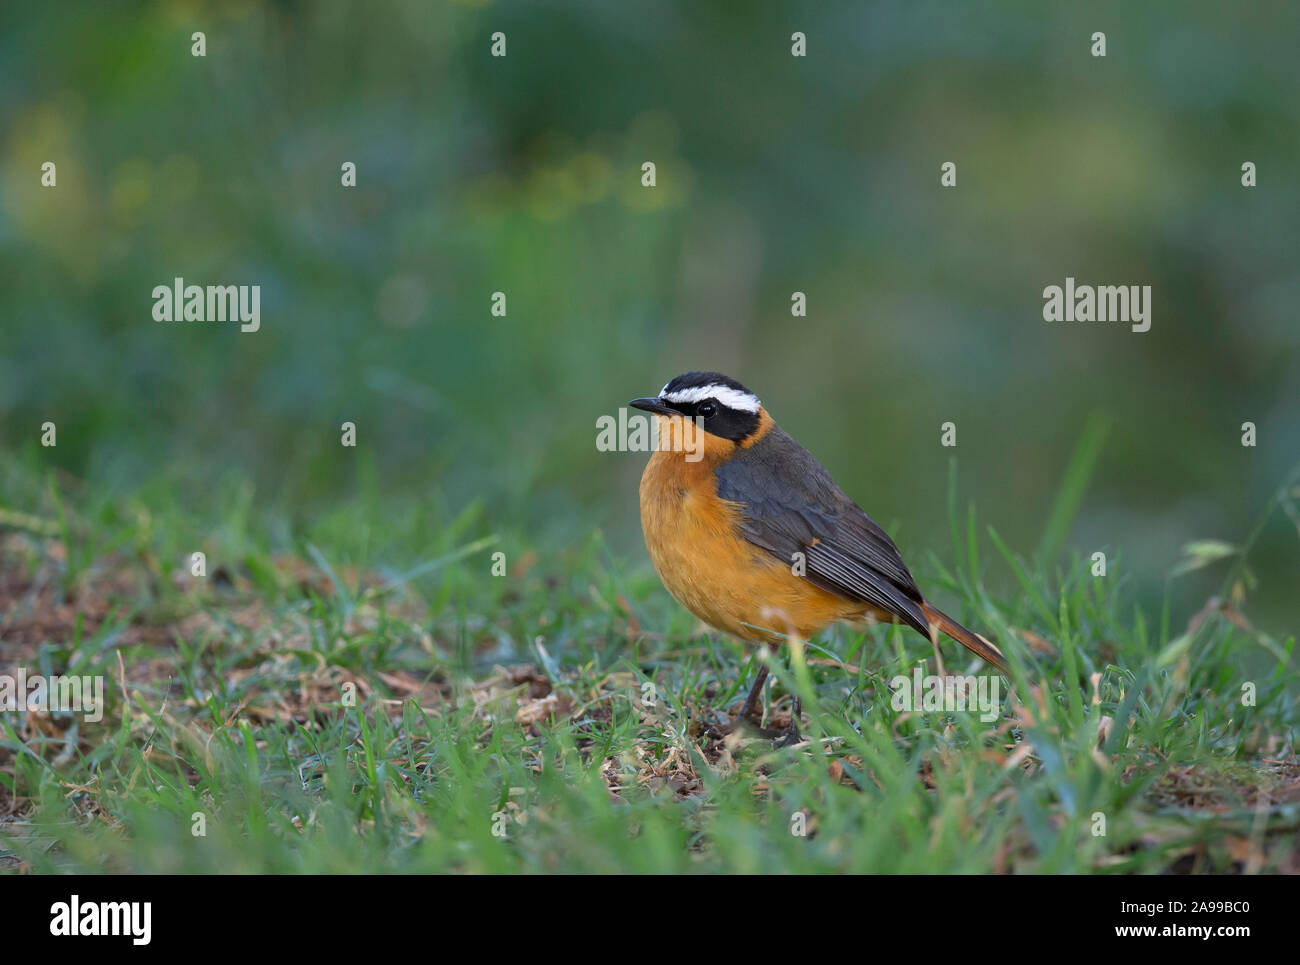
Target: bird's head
{"x": 725, "y": 408}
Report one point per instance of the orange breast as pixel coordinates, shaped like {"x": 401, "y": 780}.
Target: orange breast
{"x": 726, "y": 582}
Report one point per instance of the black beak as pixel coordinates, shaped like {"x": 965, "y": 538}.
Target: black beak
{"x": 653, "y": 405}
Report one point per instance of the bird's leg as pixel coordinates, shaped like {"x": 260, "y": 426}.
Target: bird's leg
{"x": 792, "y": 735}
{"x": 751, "y": 710}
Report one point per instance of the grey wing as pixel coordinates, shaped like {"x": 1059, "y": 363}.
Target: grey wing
{"x": 790, "y": 504}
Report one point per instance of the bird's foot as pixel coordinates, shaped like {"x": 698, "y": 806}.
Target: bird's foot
{"x": 739, "y": 722}
{"x": 751, "y": 711}
{"x": 791, "y": 735}
{"x": 789, "y": 738}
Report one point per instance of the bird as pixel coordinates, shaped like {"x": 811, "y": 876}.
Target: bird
{"x": 749, "y": 532}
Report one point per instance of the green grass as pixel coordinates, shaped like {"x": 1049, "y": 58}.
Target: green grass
{"x": 518, "y": 703}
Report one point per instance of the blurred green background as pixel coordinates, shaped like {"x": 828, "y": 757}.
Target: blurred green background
{"x": 775, "y": 174}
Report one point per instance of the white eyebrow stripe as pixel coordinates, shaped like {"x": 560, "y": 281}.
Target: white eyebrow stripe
{"x": 731, "y": 398}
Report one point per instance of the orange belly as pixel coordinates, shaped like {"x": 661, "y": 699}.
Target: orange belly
{"x": 728, "y": 583}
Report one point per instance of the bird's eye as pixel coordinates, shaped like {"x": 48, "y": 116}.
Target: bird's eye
{"x": 707, "y": 409}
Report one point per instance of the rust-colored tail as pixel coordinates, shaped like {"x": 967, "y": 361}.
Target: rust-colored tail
{"x": 967, "y": 638}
